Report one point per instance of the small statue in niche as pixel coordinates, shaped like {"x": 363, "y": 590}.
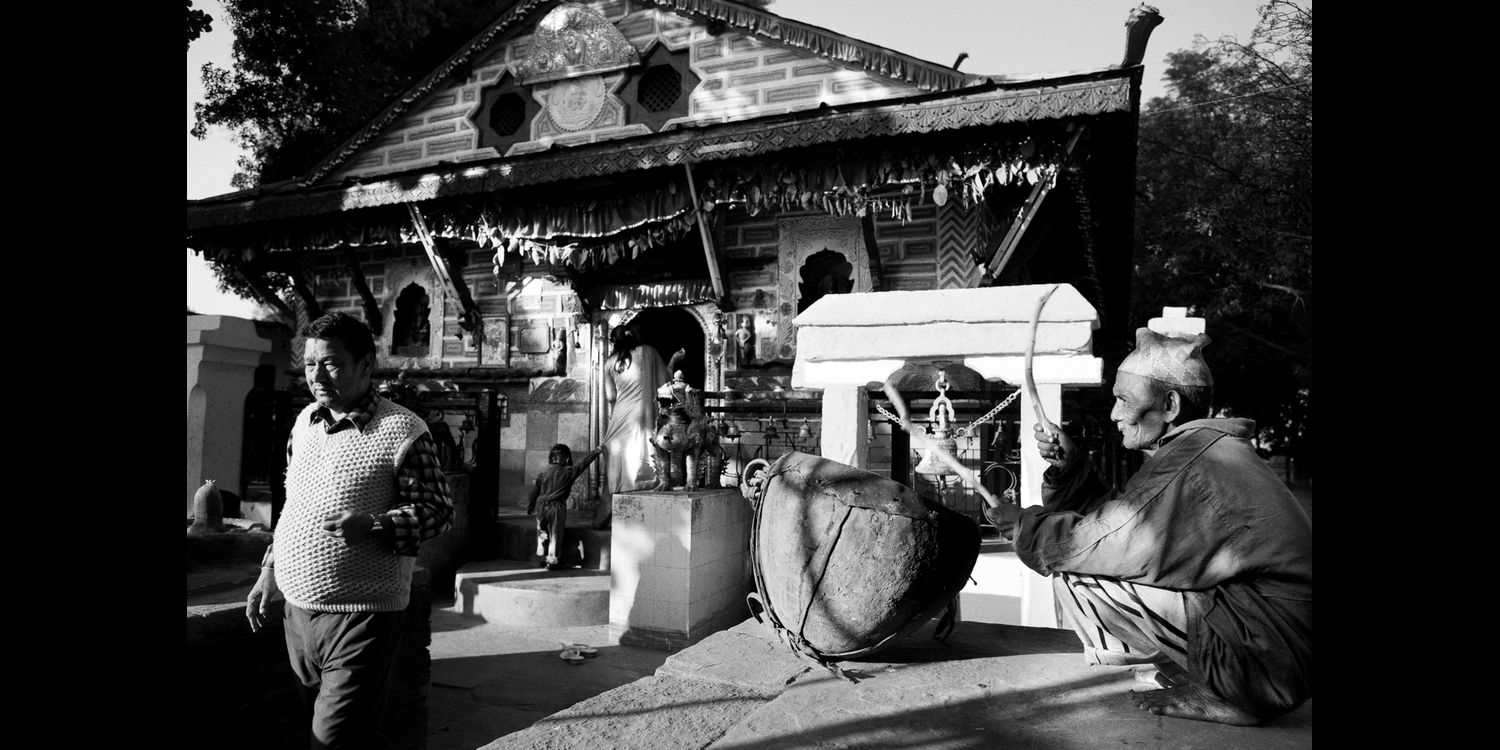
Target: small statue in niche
{"x": 716, "y": 342}
{"x": 421, "y": 330}
{"x": 745, "y": 341}
{"x": 557, "y": 355}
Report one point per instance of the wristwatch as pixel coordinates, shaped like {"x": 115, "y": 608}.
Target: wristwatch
{"x": 378, "y": 525}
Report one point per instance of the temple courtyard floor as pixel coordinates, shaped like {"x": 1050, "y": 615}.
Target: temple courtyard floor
{"x": 988, "y": 685}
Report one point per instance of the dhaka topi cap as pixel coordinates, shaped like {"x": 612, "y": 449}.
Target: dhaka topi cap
{"x": 1172, "y": 359}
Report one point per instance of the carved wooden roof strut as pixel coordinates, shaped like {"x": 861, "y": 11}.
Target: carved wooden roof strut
{"x": 257, "y": 284}
{"x": 373, "y": 319}
{"x": 469, "y": 318}
{"x": 710, "y": 252}
{"x": 995, "y": 264}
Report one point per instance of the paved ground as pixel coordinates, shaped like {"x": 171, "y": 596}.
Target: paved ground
{"x": 505, "y": 688}
{"x": 988, "y": 686}
{"x": 489, "y": 680}
{"x": 502, "y": 688}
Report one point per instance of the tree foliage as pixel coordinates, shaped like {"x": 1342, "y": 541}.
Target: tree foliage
{"x": 198, "y": 23}
{"x": 308, "y": 74}
{"x": 1224, "y": 216}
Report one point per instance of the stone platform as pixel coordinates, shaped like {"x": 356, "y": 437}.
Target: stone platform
{"x": 988, "y": 686}
{"x": 521, "y": 594}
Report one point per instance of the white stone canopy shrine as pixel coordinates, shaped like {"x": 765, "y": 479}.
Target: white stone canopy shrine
{"x": 847, "y": 343}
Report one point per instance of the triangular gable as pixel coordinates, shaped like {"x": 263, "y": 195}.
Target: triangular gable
{"x": 739, "y": 63}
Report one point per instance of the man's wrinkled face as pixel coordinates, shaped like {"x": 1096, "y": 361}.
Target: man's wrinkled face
{"x": 336, "y": 378}
{"x": 1138, "y": 411}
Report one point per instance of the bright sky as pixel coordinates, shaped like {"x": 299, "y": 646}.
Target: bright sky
{"x": 1002, "y": 37}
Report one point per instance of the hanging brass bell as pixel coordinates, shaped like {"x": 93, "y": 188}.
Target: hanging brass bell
{"x": 933, "y": 466}
{"x": 942, "y": 416}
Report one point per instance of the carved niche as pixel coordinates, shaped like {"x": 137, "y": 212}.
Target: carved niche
{"x": 801, "y": 239}
{"x": 413, "y": 309}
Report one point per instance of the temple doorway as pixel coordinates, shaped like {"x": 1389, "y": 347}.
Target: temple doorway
{"x": 826, "y": 272}
{"x": 672, "y": 328}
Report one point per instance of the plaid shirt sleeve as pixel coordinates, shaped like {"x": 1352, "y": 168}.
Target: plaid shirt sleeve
{"x": 425, "y": 509}
{"x": 268, "y": 559}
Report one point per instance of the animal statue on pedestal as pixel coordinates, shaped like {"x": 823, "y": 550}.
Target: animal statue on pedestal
{"x": 687, "y": 451}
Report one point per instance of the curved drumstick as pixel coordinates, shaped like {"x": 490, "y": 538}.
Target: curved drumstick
{"x": 1036, "y": 402}
{"x": 920, "y": 441}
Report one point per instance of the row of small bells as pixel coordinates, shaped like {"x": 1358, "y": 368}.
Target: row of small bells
{"x": 730, "y": 430}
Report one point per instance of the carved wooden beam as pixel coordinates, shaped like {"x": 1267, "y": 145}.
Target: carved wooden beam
{"x": 372, "y": 308}
{"x": 872, "y": 251}
{"x": 469, "y": 318}
{"x": 710, "y": 253}
{"x": 258, "y": 285}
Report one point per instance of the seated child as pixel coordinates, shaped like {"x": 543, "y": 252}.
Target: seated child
{"x": 551, "y": 488}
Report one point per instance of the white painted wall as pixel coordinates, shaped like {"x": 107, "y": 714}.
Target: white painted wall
{"x": 222, "y": 354}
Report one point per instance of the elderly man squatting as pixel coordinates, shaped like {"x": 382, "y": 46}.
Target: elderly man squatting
{"x": 1200, "y": 567}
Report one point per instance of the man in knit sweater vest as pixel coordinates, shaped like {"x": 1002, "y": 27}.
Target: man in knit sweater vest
{"x": 364, "y": 489}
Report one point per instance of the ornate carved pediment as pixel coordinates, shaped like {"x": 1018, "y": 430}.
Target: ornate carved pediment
{"x": 574, "y": 41}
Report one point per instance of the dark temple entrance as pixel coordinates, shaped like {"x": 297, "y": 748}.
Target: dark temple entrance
{"x": 672, "y": 328}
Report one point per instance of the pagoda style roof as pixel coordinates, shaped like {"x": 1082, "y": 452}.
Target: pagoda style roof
{"x": 1079, "y": 95}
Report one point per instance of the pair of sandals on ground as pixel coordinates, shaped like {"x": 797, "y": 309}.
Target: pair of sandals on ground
{"x": 575, "y": 653}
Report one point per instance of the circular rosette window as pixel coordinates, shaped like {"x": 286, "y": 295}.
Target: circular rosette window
{"x": 574, "y": 104}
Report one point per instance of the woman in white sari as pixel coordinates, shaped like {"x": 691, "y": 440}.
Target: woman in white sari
{"x": 632, "y": 373}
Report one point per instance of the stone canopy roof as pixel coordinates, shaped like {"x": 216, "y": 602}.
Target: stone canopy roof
{"x": 860, "y": 338}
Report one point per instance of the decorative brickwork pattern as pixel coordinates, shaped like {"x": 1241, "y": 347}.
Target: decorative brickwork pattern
{"x": 958, "y": 232}
{"x": 741, "y": 76}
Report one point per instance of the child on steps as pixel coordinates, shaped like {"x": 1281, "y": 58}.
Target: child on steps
{"x": 551, "y": 489}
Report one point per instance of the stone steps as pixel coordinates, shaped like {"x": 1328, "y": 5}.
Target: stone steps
{"x": 519, "y": 593}
{"x": 583, "y": 546}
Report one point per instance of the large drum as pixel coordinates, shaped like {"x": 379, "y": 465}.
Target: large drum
{"x": 847, "y": 560}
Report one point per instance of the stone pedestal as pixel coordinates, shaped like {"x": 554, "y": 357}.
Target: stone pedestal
{"x": 679, "y": 566}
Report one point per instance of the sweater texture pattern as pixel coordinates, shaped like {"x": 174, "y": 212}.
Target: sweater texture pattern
{"x": 348, "y": 470}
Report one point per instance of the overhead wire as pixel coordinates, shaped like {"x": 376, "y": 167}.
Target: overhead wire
{"x": 1220, "y": 101}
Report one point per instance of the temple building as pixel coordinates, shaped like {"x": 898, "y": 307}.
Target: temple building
{"x": 704, "y": 169}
